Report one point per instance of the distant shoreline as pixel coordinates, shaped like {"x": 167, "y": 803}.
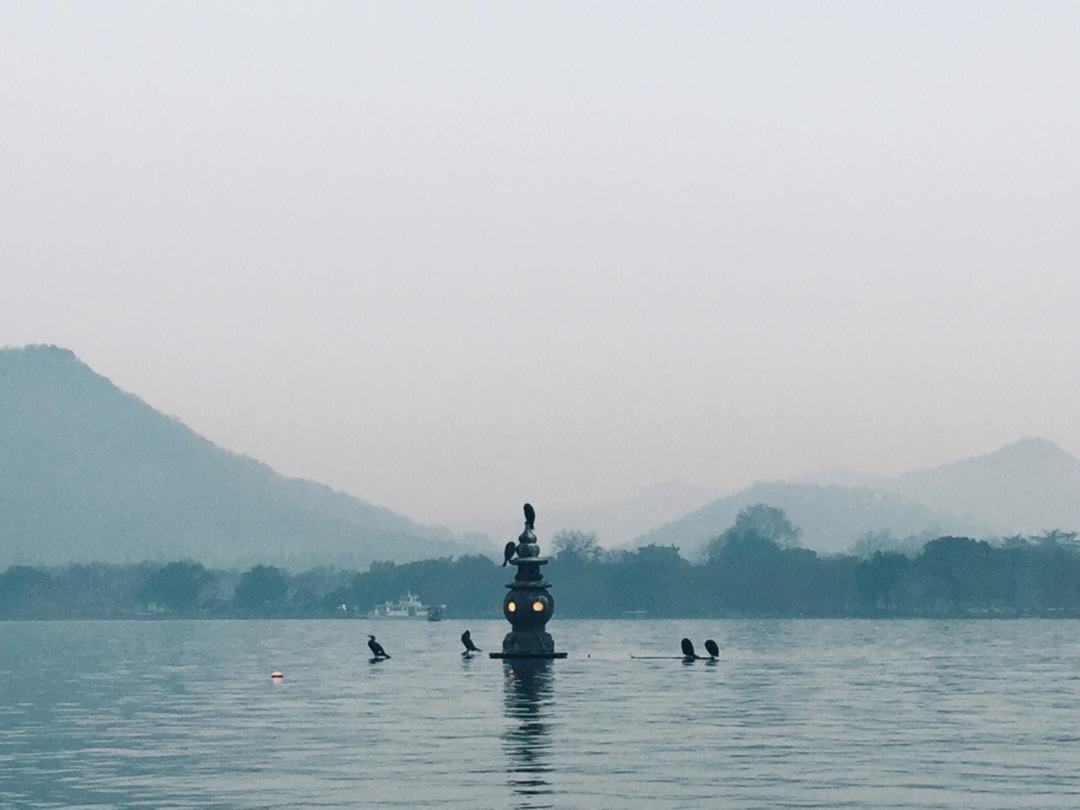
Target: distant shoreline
{"x": 451, "y": 619}
{"x": 745, "y": 576}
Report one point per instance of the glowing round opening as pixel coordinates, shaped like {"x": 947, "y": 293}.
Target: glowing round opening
{"x": 538, "y": 606}
{"x": 511, "y": 606}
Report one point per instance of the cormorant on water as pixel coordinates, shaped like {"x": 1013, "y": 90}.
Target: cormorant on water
{"x": 713, "y": 648}
{"x": 530, "y": 516}
{"x": 466, "y": 639}
{"x": 688, "y": 650}
{"x": 376, "y": 648}
{"x": 508, "y": 552}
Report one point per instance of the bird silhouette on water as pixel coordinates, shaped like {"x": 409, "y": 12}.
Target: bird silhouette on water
{"x": 713, "y": 648}
{"x": 376, "y": 648}
{"x": 688, "y": 650}
{"x": 470, "y": 647}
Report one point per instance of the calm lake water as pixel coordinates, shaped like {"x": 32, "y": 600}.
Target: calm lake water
{"x": 794, "y": 714}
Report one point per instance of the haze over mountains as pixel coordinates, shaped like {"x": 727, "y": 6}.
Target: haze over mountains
{"x": 1026, "y": 487}
{"x": 832, "y": 518}
{"x": 616, "y": 521}
{"x": 88, "y": 472}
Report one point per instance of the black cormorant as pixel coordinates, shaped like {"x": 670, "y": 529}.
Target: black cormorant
{"x": 688, "y": 650}
{"x": 713, "y": 648}
{"x": 508, "y": 552}
{"x": 376, "y": 648}
{"x": 530, "y": 516}
{"x": 466, "y": 639}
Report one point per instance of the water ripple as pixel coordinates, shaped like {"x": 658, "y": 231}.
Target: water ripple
{"x": 795, "y": 714}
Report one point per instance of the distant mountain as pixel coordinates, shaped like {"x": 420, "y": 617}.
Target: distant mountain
{"x": 832, "y": 518}
{"x": 88, "y": 472}
{"x": 1025, "y": 487}
{"x": 841, "y": 477}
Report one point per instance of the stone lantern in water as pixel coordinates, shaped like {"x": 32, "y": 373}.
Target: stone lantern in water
{"x": 528, "y": 604}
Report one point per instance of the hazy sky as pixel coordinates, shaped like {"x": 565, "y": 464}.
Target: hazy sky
{"x": 451, "y": 256}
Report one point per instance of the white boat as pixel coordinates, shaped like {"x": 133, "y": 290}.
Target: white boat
{"x": 407, "y": 607}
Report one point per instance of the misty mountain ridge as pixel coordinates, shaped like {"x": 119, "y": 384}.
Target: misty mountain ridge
{"x": 90, "y": 472}
{"x": 831, "y": 518}
{"x": 839, "y": 477}
{"x": 1026, "y": 487}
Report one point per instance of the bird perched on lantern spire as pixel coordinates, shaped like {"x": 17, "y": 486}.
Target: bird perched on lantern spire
{"x": 530, "y": 516}
{"x": 508, "y": 552}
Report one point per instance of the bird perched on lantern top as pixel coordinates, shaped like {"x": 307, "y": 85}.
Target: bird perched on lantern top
{"x": 526, "y": 543}
{"x": 527, "y": 546}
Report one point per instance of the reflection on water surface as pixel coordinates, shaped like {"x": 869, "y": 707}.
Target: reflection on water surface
{"x": 795, "y": 713}
{"x": 528, "y": 689}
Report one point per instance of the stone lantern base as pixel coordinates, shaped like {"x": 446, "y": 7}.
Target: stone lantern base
{"x": 526, "y": 644}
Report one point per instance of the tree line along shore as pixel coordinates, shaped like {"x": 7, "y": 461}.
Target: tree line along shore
{"x": 756, "y": 568}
